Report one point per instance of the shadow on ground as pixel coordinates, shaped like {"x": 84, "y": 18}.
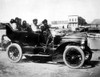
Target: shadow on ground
{"x": 37, "y": 59}
{"x": 91, "y": 64}
{"x": 48, "y": 60}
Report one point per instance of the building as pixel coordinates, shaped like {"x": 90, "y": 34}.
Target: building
{"x": 75, "y": 21}
{"x": 95, "y": 23}
{"x": 59, "y": 24}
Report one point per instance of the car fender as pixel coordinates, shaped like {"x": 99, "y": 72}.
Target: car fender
{"x": 62, "y": 46}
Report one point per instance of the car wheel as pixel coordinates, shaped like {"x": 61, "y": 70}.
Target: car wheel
{"x": 14, "y": 52}
{"x": 73, "y": 56}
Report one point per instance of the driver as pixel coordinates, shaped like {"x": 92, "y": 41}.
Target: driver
{"x": 45, "y": 30}
{"x": 45, "y": 27}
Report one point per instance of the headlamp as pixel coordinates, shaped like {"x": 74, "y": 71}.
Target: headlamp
{"x": 53, "y": 33}
{"x": 83, "y": 41}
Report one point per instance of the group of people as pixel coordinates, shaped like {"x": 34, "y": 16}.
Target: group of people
{"x": 18, "y": 24}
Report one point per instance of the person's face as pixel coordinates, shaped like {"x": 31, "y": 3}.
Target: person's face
{"x": 45, "y": 22}
{"x": 35, "y": 22}
{"x": 16, "y": 20}
{"x": 24, "y": 22}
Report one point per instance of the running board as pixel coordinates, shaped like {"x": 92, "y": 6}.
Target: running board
{"x": 32, "y": 47}
{"x": 41, "y": 55}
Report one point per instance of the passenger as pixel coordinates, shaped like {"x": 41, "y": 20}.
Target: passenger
{"x": 13, "y": 24}
{"x": 34, "y": 25}
{"x": 18, "y": 23}
{"x": 26, "y": 26}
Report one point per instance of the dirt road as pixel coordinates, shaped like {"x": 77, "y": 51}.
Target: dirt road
{"x": 28, "y": 68}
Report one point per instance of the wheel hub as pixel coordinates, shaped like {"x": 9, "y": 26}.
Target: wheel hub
{"x": 13, "y": 53}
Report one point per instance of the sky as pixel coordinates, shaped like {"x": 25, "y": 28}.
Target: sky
{"x": 51, "y": 10}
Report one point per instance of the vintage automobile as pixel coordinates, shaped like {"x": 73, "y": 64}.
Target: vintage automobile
{"x": 73, "y": 47}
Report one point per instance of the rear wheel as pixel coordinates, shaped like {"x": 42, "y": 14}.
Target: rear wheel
{"x": 14, "y": 52}
{"x": 73, "y": 56}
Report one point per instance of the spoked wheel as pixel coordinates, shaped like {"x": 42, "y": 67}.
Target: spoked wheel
{"x": 73, "y": 57}
{"x": 14, "y": 52}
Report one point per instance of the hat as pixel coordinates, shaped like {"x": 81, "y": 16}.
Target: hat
{"x": 34, "y": 20}
{"x": 45, "y": 20}
{"x": 12, "y": 21}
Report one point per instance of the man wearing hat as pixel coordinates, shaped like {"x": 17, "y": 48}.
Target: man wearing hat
{"x": 34, "y": 25}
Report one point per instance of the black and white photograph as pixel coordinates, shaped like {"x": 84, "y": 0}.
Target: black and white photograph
{"x": 49, "y": 38}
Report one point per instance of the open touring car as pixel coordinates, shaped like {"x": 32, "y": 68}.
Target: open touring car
{"x": 74, "y": 49}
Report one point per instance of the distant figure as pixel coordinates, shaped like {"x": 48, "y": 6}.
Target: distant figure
{"x": 13, "y": 24}
{"x": 63, "y": 27}
{"x": 34, "y": 25}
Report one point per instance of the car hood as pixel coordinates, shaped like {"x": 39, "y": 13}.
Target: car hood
{"x": 76, "y": 37}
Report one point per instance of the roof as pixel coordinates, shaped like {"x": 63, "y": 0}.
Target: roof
{"x": 96, "y": 22}
{"x": 59, "y": 22}
{"x": 73, "y": 15}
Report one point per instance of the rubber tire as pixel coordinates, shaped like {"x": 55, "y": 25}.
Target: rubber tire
{"x": 80, "y": 51}
{"x": 19, "y": 49}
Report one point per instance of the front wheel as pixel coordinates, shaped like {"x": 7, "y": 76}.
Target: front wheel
{"x": 73, "y": 56}
{"x": 14, "y": 52}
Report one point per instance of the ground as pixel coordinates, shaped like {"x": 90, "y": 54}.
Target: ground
{"x": 30, "y": 68}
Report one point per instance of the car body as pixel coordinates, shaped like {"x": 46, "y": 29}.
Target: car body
{"x": 93, "y": 37}
{"x": 72, "y": 46}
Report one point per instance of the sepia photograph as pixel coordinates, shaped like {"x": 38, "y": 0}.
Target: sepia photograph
{"x": 49, "y": 38}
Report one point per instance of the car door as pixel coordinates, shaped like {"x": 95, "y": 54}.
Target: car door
{"x": 94, "y": 38}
